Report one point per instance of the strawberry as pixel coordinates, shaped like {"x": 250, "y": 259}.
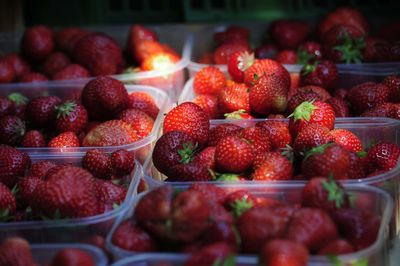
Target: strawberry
{"x": 212, "y": 194}
{"x": 284, "y": 252}
{"x": 33, "y": 139}
{"x": 12, "y": 130}
{"x": 266, "y": 67}
{"x": 287, "y": 57}
{"x": 129, "y": 236}
{"x": 37, "y": 43}
{"x": 367, "y": 95}
{"x": 33, "y": 77}
{"x": 258, "y": 139}
{"x": 7, "y": 73}
{"x": 109, "y": 193}
{"x": 339, "y": 106}
{"x": 189, "y": 118}
{"x": 393, "y": 83}
{"x": 110, "y": 133}
{"x": 71, "y": 256}
{"x": 337, "y": 247}
{"x": 13, "y": 164}
{"x": 274, "y": 167}
{"x": 238, "y": 63}
{"x": 231, "y": 34}
{"x": 311, "y": 136}
{"x": 41, "y": 110}
{"x": 123, "y": 162}
{"x": 66, "y": 38}
{"x": 278, "y": 132}
{"x": 233, "y": 98}
{"x": 66, "y": 139}
{"x": 312, "y": 227}
{"x": 7, "y": 203}
{"x": 159, "y": 61}
{"x": 299, "y": 98}
{"x": 209, "y": 80}
{"x": 218, "y": 253}
{"x": 260, "y": 224}
{"x": 104, "y": 97}
{"x": 54, "y": 63}
{"x": 138, "y": 33}
{"x": 40, "y": 169}
{"x": 221, "y": 131}
{"x": 16, "y": 251}
{"x": 194, "y": 170}
{"x": 206, "y": 156}
{"x": 72, "y": 71}
{"x": 268, "y": 95}
{"x": 209, "y": 104}
{"x": 383, "y": 156}
{"x": 309, "y": 51}
{"x": 20, "y": 66}
{"x": 372, "y": 46}
{"x": 71, "y": 116}
{"x": 226, "y": 50}
{"x": 325, "y": 160}
{"x": 323, "y": 93}
{"x": 26, "y": 188}
{"x": 99, "y": 53}
{"x": 143, "y": 101}
{"x": 239, "y": 201}
{"x": 233, "y": 154}
{"x": 239, "y": 114}
{"x": 97, "y": 163}
{"x": 380, "y": 110}
{"x": 221, "y": 231}
{"x": 267, "y": 50}
{"x": 288, "y": 34}
{"x": 346, "y": 139}
{"x": 323, "y": 73}
{"x": 138, "y": 120}
{"x": 6, "y": 106}
{"x": 146, "y": 48}
{"x": 358, "y": 165}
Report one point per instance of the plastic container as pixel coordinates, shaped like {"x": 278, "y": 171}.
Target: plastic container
{"x": 71, "y": 230}
{"x": 170, "y": 80}
{"x": 44, "y": 253}
{"x": 376, "y": 254}
{"x": 141, "y": 147}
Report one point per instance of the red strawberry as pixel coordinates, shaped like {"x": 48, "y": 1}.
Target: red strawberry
{"x": 71, "y": 116}
{"x": 146, "y": 48}
{"x": 393, "y": 83}
{"x": 358, "y": 165}
{"x": 54, "y": 63}
{"x": 266, "y": 67}
{"x": 109, "y": 193}
{"x": 129, "y": 236}
{"x": 66, "y": 38}
{"x": 41, "y": 168}
{"x": 123, "y": 162}
{"x": 233, "y": 154}
{"x": 72, "y": 71}
{"x": 98, "y": 163}
{"x": 309, "y": 51}
{"x": 32, "y": 77}
{"x": 138, "y": 33}
{"x": 267, "y": 50}
{"x": 286, "y": 57}
{"x": 7, "y": 73}
{"x": 323, "y": 74}
{"x": 337, "y": 247}
{"x": 323, "y": 93}
{"x": 212, "y": 193}
{"x": 209, "y": 103}
{"x": 206, "y": 156}
{"x": 312, "y": 227}
{"x": 159, "y": 61}
{"x": 226, "y": 50}
{"x": 143, "y": 101}
{"x": 37, "y": 43}
{"x": 239, "y": 201}
{"x": 209, "y": 80}
{"x": 238, "y": 63}
{"x": 20, "y": 66}
{"x": 383, "y": 156}
{"x": 13, "y": 164}
{"x": 99, "y": 53}
{"x": 339, "y": 106}
{"x": 274, "y": 167}
{"x": 346, "y": 139}
{"x": 64, "y": 140}
{"x": 194, "y": 170}
{"x": 138, "y": 120}
{"x": 16, "y": 251}
{"x": 239, "y": 114}
{"x": 231, "y": 34}
{"x": 110, "y": 133}
{"x": 221, "y": 131}
{"x": 278, "y": 132}
{"x": 12, "y": 130}
{"x": 7, "y": 106}
{"x": 288, "y": 34}
{"x": 284, "y": 252}
{"x": 73, "y": 256}
{"x": 258, "y": 139}
{"x": 189, "y": 118}
{"x": 312, "y": 136}
{"x": 325, "y": 160}
{"x": 7, "y": 203}
{"x": 41, "y": 110}
{"x": 33, "y": 139}
{"x": 299, "y": 98}
{"x": 104, "y": 97}
{"x": 212, "y": 254}
{"x": 221, "y": 231}
{"x": 380, "y": 110}
{"x": 367, "y": 95}
{"x": 26, "y": 189}
{"x": 233, "y": 98}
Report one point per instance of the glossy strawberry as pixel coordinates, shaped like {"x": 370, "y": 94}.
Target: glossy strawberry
{"x": 143, "y": 101}
{"x": 16, "y": 251}
{"x": 129, "y": 236}
{"x": 37, "y": 42}
{"x": 41, "y": 111}
{"x": 97, "y": 163}
{"x": 383, "y": 156}
{"x": 72, "y": 71}
{"x": 7, "y": 73}
{"x": 234, "y": 98}
{"x": 138, "y": 120}
{"x": 299, "y": 98}
{"x": 258, "y": 139}
{"x": 209, "y": 104}
{"x": 33, "y": 77}
{"x": 71, "y": 116}
{"x": 70, "y": 256}
{"x": 33, "y": 139}
{"x": 337, "y": 247}
{"x": 13, "y": 164}
{"x": 346, "y": 139}
{"x": 323, "y": 74}
{"x": 284, "y": 252}
{"x": 266, "y": 67}
{"x": 274, "y": 167}
{"x": 67, "y": 139}
{"x": 278, "y": 132}
{"x": 238, "y": 63}
{"x": 233, "y": 154}
{"x": 220, "y": 131}
{"x": 12, "y": 130}
{"x": 209, "y": 80}
{"x": 109, "y": 193}
{"x": 212, "y": 254}
{"x": 7, "y": 203}
{"x": 367, "y": 95}
{"x": 226, "y": 50}
{"x": 18, "y": 63}
{"x": 123, "y": 162}
{"x": 288, "y": 34}
{"x": 26, "y": 189}
{"x": 311, "y": 136}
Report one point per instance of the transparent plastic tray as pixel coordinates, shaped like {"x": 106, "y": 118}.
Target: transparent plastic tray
{"x": 376, "y": 254}
{"x": 170, "y": 80}
{"x": 141, "y": 147}
{"x": 71, "y": 230}
{"x": 44, "y": 253}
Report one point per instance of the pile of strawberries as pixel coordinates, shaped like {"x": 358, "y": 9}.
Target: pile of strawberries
{"x": 102, "y": 114}
{"x": 342, "y": 36}
{"x": 213, "y": 222}
{"x": 74, "y": 53}
{"x": 17, "y": 251}
{"x": 45, "y": 190}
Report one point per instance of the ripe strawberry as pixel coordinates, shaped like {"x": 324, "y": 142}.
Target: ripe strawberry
{"x": 221, "y": 131}
{"x": 129, "y": 236}
{"x": 309, "y": 51}
{"x": 7, "y": 203}
{"x": 146, "y": 48}
{"x": 233, "y": 98}
{"x": 217, "y": 253}
{"x": 143, "y": 101}
{"x": 97, "y": 163}
{"x": 274, "y": 167}
{"x": 26, "y": 189}
{"x": 37, "y": 43}
{"x": 12, "y": 130}
{"x": 258, "y": 139}
{"x": 266, "y": 67}
{"x": 372, "y": 47}
{"x": 339, "y": 106}
{"x": 358, "y": 165}
{"x": 109, "y": 193}
{"x": 212, "y": 194}
{"x": 16, "y": 251}
{"x": 287, "y": 57}
{"x": 123, "y": 162}
{"x": 54, "y": 63}
{"x": 20, "y": 66}
{"x": 110, "y": 133}
{"x": 159, "y": 61}
{"x": 284, "y": 252}
{"x": 233, "y": 154}
{"x": 325, "y": 160}
{"x": 206, "y": 157}
{"x": 311, "y": 136}
{"x": 194, "y": 170}
{"x": 383, "y": 156}
{"x": 380, "y": 110}
{"x": 7, "y": 73}
{"x": 221, "y": 231}
{"x": 65, "y": 139}
{"x": 7, "y": 106}
{"x": 278, "y": 132}
{"x": 209, "y": 104}
{"x": 323, "y": 74}
{"x": 346, "y": 139}
{"x": 41, "y": 111}
{"x": 231, "y": 34}
{"x": 337, "y": 247}
{"x": 99, "y": 53}
{"x": 66, "y": 38}
{"x": 189, "y": 118}
{"x": 393, "y": 83}
{"x": 288, "y": 34}
{"x": 209, "y": 80}
{"x": 138, "y": 120}
{"x": 367, "y": 95}
{"x": 41, "y": 168}
{"x": 238, "y": 63}
{"x": 33, "y": 77}
{"x": 299, "y": 98}
{"x": 73, "y": 256}
{"x": 226, "y": 50}
{"x": 72, "y": 71}
{"x": 104, "y": 97}
{"x": 239, "y": 201}
{"x": 267, "y": 50}
{"x": 323, "y": 93}
{"x": 13, "y": 164}
{"x": 312, "y": 227}
{"x": 138, "y": 33}
{"x": 33, "y": 139}
{"x": 71, "y": 116}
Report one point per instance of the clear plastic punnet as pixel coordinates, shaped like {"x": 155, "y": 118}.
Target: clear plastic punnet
{"x": 376, "y": 254}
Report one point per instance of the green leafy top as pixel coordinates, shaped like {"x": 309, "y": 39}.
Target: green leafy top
{"x": 351, "y": 49}
{"x": 318, "y": 150}
{"x": 303, "y": 111}
{"x": 236, "y": 114}
{"x": 228, "y": 261}
{"x": 187, "y": 152}
{"x": 240, "y": 206}
{"x": 65, "y": 109}
{"x": 335, "y": 192}
{"x": 18, "y": 98}
{"x": 309, "y": 68}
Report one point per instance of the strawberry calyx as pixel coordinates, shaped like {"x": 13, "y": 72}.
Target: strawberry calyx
{"x": 5, "y": 215}
{"x": 19, "y": 130}
{"x": 187, "y": 152}
{"x": 317, "y": 150}
{"x": 309, "y": 68}
{"x": 17, "y": 98}
{"x": 240, "y": 206}
{"x": 239, "y": 114}
{"x": 335, "y": 192}
{"x": 303, "y": 57}
{"x": 303, "y": 111}
{"x": 228, "y": 261}
{"x": 351, "y": 49}
{"x": 362, "y": 154}
{"x": 226, "y": 177}
{"x": 65, "y": 109}
{"x": 288, "y": 152}
{"x": 245, "y": 60}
